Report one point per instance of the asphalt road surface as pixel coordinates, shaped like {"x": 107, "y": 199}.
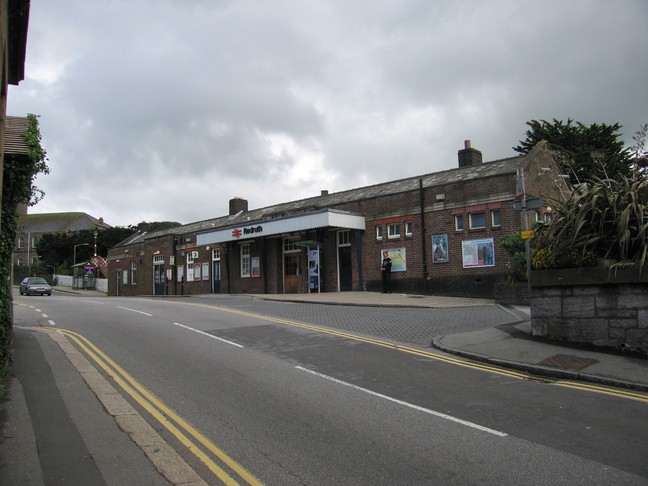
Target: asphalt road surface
{"x": 296, "y": 394}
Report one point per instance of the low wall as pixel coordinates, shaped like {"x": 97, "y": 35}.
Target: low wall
{"x": 596, "y": 306}
{"x": 101, "y": 284}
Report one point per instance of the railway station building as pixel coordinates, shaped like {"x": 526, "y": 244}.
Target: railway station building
{"x": 442, "y": 231}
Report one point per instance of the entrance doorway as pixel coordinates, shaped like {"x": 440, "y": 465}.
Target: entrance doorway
{"x": 216, "y": 277}
{"x": 158, "y": 280}
{"x": 345, "y": 264}
{"x": 346, "y": 268}
{"x": 118, "y": 280}
{"x": 291, "y": 273}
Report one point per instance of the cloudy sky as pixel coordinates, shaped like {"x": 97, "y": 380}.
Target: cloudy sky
{"x": 163, "y": 110}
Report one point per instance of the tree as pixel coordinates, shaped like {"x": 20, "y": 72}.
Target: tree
{"x": 583, "y": 152}
{"x": 57, "y": 249}
{"x": 638, "y": 151}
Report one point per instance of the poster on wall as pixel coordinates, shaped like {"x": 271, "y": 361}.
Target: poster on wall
{"x": 196, "y": 272}
{"x": 205, "y": 271}
{"x": 313, "y": 269}
{"x": 180, "y": 273}
{"x": 439, "y": 248}
{"x": 398, "y": 257}
{"x": 478, "y": 253}
{"x": 256, "y": 267}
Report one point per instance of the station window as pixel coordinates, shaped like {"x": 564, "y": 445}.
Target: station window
{"x": 245, "y": 260}
{"x": 290, "y": 245}
{"x": 459, "y": 222}
{"x": 379, "y": 232}
{"x": 133, "y": 270}
{"x": 344, "y": 238}
{"x": 393, "y": 231}
{"x": 408, "y": 228}
{"x": 216, "y": 254}
{"x": 495, "y": 218}
{"x": 477, "y": 220}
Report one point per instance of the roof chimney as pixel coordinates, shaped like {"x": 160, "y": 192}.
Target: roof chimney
{"x": 469, "y": 156}
{"x": 237, "y": 205}
{"x": 324, "y": 192}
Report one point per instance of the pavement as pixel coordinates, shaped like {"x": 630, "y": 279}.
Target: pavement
{"x": 62, "y": 423}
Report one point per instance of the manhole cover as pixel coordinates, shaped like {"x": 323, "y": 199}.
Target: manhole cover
{"x": 568, "y": 362}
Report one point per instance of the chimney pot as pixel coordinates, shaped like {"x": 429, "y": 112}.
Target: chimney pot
{"x": 237, "y": 205}
{"x": 469, "y": 156}
{"x": 324, "y": 192}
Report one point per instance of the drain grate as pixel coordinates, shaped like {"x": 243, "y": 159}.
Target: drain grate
{"x": 565, "y": 361}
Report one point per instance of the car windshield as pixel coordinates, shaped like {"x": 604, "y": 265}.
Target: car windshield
{"x": 36, "y": 280}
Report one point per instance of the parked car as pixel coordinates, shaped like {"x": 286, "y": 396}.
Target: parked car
{"x": 35, "y": 285}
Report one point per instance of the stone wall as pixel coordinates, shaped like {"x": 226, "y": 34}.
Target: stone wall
{"x": 596, "y": 306}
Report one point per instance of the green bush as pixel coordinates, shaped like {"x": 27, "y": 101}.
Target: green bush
{"x": 513, "y": 244}
{"x": 605, "y": 219}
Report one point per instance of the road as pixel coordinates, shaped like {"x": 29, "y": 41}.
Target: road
{"x": 280, "y": 394}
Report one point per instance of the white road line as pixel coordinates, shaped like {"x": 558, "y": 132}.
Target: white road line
{"x": 208, "y": 335}
{"x": 45, "y": 316}
{"x": 133, "y": 310}
{"x": 51, "y": 322}
{"x": 410, "y": 405}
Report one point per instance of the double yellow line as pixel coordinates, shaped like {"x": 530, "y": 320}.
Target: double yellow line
{"x": 187, "y": 434}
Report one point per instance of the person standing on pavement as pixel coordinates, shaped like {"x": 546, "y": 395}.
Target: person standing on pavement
{"x": 385, "y": 269}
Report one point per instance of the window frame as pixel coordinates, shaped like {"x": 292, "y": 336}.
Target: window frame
{"x": 459, "y": 222}
{"x": 409, "y": 228}
{"x": 391, "y": 231}
{"x": 245, "y": 260}
{"x": 379, "y": 233}
{"x": 471, "y": 221}
{"x": 344, "y": 238}
{"x": 496, "y": 214}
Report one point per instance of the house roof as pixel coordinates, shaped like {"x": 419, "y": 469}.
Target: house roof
{"x": 14, "y": 142}
{"x": 17, "y": 26}
{"x": 58, "y": 222}
{"x": 480, "y": 171}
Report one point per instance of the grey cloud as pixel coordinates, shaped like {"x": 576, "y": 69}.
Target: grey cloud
{"x": 171, "y": 108}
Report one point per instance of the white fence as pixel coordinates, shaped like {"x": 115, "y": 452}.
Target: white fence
{"x": 101, "y": 284}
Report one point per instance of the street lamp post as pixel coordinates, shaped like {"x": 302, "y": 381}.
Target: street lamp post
{"x": 75, "y": 247}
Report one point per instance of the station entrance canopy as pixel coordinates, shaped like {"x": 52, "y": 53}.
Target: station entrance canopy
{"x": 258, "y": 229}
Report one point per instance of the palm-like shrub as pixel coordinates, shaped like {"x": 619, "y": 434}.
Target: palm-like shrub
{"x": 607, "y": 218}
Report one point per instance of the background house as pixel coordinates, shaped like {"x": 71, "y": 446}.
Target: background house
{"x": 31, "y": 227}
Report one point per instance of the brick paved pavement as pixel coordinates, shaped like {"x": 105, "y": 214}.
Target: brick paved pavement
{"x": 406, "y": 324}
